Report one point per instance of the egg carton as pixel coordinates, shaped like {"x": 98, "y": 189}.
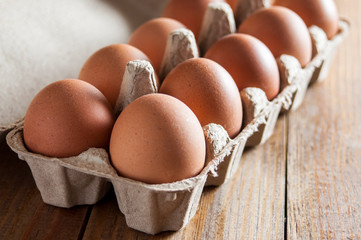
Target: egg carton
{"x": 153, "y": 208}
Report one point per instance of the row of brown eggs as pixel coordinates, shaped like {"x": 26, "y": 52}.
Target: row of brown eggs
{"x": 158, "y": 138}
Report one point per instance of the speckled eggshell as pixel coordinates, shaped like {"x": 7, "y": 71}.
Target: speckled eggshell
{"x": 67, "y": 118}
{"x": 105, "y": 68}
{"x": 321, "y": 13}
{"x": 208, "y": 89}
{"x": 151, "y": 38}
{"x": 188, "y": 12}
{"x": 157, "y": 139}
{"x": 249, "y": 61}
{"x": 282, "y": 30}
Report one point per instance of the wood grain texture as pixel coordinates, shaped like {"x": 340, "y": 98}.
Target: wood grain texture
{"x": 324, "y": 148}
{"x": 250, "y": 206}
{"x": 23, "y": 215}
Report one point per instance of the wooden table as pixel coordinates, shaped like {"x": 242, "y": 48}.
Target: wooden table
{"x": 304, "y": 183}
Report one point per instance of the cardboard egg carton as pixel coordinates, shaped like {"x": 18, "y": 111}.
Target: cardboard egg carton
{"x": 152, "y": 208}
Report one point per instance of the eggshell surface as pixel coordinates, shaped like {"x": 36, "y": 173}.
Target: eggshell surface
{"x": 105, "y": 68}
{"x": 157, "y": 139}
{"x": 188, "y": 12}
{"x": 67, "y": 118}
{"x": 282, "y": 31}
{"x": 209, "y": 91}
{"x": 249, "y": 61}
{"x": 151, "y": 38}
{"x": 321, "y": 13}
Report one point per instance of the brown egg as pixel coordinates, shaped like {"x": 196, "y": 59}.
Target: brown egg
{"x": 105, "y": 68}
{"x": 249, "y": 61}
{"x": 157, "y": 139}
{"x": 67, "y": 118}
{"x": 321, "y": 13}
{"x": 152, "y": 37}
{"x": 283, "y": 32}
{"x": 188, "y": 12}
{"x": 208, "y": 89}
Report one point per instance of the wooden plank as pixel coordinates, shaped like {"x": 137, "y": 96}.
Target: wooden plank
{"x": 251, "y": 206}
{"x": 23, "y": 215}
{"x": 324, "y": 149}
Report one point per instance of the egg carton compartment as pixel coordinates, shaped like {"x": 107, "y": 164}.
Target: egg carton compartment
{"x": 152, "y": 208}
{"x": 324, "y": 50}
{"x": 4, "y": 130}
{"x": 86, "y": 178}
{"x": 245, "y": 8}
